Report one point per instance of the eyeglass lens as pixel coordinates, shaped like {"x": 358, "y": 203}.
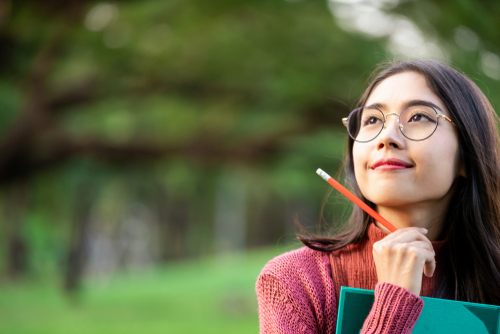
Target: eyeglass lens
{"x": 418, "y": 123}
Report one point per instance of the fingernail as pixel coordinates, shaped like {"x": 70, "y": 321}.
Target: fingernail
{"x": 434, "y": 252}
{"x": 425, "y": 230}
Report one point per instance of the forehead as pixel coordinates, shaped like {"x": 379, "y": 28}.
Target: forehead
{"x": 397, "y": 89}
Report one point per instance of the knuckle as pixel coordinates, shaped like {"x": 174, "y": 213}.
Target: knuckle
{"x": 403, "y": 249}
{"x": 393, "y": 244}
{"x": 379, "y": 246}
{"x": 413, "y": 252}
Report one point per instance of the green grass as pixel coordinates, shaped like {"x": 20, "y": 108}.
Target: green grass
{"x": 212, "y": 295}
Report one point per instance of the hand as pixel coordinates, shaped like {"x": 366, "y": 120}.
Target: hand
{"x": 402, "y": 256}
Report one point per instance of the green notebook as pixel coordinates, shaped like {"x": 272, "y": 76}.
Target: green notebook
{"x": 438, "y": 315}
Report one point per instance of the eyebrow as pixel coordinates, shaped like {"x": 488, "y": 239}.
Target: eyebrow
{"x": 407, "y": 104}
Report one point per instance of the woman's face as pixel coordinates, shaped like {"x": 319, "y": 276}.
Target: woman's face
{"x": 434, "y": 161}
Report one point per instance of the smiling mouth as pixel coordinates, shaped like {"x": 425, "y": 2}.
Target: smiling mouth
{"x": 389, "y": 167}
{"x": 391, "y": 164}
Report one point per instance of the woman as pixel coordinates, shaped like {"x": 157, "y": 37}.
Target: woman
{"x": 424, "y": 153}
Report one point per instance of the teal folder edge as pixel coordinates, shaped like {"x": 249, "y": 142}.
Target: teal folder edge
{"x": 449, "y": 314}
{"x": 340, "y": 311}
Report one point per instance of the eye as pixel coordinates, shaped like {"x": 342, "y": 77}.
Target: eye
{"x": 371, "y": 120}
{"x": 421, "y": 117}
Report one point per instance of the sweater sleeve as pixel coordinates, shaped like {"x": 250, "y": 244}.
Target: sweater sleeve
{"x": 279, "y": 312}
{"x": 295, "y": 294}
{"x": 394, "y": 310}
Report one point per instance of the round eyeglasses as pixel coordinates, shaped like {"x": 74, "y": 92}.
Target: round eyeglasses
{"x": 415, "y": 123}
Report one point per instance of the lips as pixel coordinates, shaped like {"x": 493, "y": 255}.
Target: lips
{"x": 391, "y": 164}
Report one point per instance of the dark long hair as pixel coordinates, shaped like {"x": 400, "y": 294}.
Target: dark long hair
{"x": 469, "y": 264}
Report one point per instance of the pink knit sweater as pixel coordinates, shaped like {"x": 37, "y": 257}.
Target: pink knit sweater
{"x": 298, "y": 291}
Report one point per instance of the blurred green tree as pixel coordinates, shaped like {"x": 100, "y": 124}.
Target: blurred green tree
{"x": 108, "y": 103}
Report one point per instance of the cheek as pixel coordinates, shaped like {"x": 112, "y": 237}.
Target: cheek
{"x": 360, "y": 153}
{"x": 439, "y": 168}
{"x": 357, "y": 157}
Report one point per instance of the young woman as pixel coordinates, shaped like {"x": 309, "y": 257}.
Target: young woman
{"x": 423, "y": 152}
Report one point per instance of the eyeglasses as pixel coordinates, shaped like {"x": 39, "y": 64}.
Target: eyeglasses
{"x": 415, "y": 123}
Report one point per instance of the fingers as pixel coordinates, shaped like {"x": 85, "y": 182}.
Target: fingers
{"x": 409, "y": 236}
{"x": 403, "y": 230}
{"x": 420, "y": 253}
{"x": 423, "y": 245}
{"x": 406, "y": 234}
{"x": 430, "y": 264}
{"x": 402, "y": 257}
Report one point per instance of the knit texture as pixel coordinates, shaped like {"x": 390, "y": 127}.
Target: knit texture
{"x": 297, "y": 292}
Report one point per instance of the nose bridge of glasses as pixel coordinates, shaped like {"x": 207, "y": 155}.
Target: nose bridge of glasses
{"x": 387, "y": 116}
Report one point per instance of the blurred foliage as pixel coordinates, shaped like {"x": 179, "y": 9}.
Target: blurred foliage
{"x": 120, "y": 121}
{"x": 171, "y": 95}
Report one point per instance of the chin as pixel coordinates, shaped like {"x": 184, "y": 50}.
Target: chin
{"x": 384, "y": 187}
{"x": 390, "y": 198}
{"x": 390, "y": 202}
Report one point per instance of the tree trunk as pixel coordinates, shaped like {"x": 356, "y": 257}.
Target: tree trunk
{"x": 17, "y": 253}
{"x": 77, "y": 252}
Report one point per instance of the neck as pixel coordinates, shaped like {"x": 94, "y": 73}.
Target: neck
{"x": 426, "y": 215}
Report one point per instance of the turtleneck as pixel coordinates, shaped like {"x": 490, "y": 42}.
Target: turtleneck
{"x": 298, "y": 291}
{"x": 353, "y": 266}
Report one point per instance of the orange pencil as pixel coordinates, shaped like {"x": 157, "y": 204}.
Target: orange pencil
{"x": 356, "y": 200}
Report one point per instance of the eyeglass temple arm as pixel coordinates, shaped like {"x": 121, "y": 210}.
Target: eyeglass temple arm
{"x": 441, "y": 116}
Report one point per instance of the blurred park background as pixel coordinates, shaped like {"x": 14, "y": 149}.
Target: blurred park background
{"x": 154, "y": 153}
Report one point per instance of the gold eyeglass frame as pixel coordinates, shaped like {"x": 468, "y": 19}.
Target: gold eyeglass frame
{"x": 346, "y": 119}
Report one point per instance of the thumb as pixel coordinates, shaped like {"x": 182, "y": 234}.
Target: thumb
{"x": 430, "y": 267}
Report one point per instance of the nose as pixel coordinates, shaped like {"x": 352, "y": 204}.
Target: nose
{"x": 391, "y": 135}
